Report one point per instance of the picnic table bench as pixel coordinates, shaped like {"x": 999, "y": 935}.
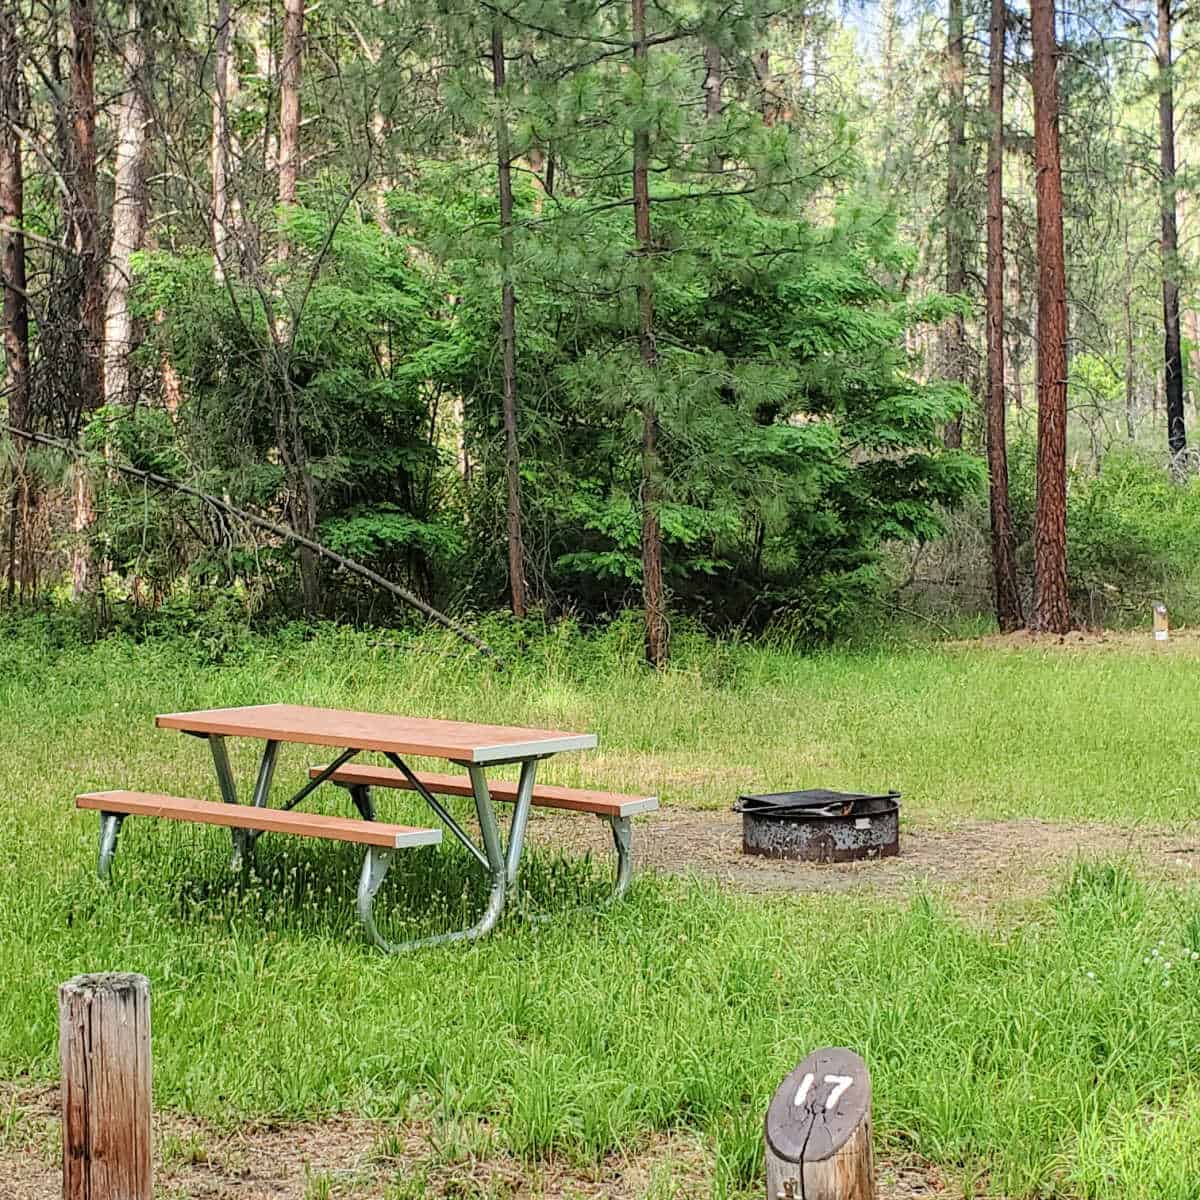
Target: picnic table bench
{"x": 474, "y": 747}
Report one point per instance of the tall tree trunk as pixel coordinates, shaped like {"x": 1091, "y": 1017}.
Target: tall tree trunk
{"x": 84, "y": 201}
{"x": 1192, "y": 320}
{"x": 85, "y": 225}
{"x": 762, "y": 75}
{"x": 508, "y": 332}
{"x": 290, "y": 63}
{"x": 222, "y": 139}
{"x": 1004, "y": 565}
{"x": 653, "y": 593}
{"x": 303, "y": 501}
{"x": 1130, "y": 368}
{"x": 954, "y": 345}
{"x": 1052, "y": 607}
{"x": 12, "y": 267}
{"x": 713, "y": 81}
{"x": 891, "y": 27}
{"x": 1172, "y": 348}
{"x": 1014, "y": 346}
{"x": 129, "y": 211}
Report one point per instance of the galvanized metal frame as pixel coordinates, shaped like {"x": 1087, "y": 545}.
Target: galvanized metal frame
{"x": 622, "y": 835}
{"x": 443, "y": 813}
{"x": 520, "y": 820}
{"x": 110, "y": 829}
{"x": 501, "y": 861}
{"x": 376, "y": 863}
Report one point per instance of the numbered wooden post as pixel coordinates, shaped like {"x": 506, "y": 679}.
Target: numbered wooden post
{"x": 104, "y": 1044}
{"x": 818, "y": 1131}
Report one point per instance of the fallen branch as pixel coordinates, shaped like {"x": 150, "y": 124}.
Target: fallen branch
{"x": 283, "y": 531}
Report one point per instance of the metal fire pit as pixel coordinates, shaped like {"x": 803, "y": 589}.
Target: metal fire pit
{"x": 820, "y": 826}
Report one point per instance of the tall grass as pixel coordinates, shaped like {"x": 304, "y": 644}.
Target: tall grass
{"x": 1059, "y": 1055}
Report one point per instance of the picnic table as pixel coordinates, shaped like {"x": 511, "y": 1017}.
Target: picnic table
{"x": 475, "y": 747}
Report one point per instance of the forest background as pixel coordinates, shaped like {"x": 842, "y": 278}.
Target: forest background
{"x": 744, "y": 314}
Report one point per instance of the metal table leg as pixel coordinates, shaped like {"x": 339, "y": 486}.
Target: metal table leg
{"x": 622, "y": 834}
{"x": 220, "y": 757}
{"x": 520, "y": 819}
{"x": 110, "y": 828}
{"x": 377, "y": 861}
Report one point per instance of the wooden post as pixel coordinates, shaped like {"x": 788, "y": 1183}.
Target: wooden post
{"x": 818, "y": 1131}
{"x": 104, "y": 1044}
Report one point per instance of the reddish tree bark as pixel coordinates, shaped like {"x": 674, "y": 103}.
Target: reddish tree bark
{"x": 954, "y": 343}
{"x": 1051, "y": 605}
{"x": 1172, "y": 343}
{"x": 1004, "y": 565}
{"x": 653, "y": 592}
{"x": 85, "y": 214}
{"x": 84, "y": 221}
{"x": 508, "y": 334}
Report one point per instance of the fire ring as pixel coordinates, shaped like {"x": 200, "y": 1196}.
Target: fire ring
{"x": 820, "y": 826}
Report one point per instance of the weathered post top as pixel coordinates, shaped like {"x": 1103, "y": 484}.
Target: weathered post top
{"x": 104, "y": 1044}
{"x": 818, "y": 1130}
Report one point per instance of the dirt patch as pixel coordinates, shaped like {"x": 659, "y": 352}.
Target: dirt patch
{"x": 1182, "y": 642}
{"x": 976, "y": 862}
{"x": 344, "y": 1158}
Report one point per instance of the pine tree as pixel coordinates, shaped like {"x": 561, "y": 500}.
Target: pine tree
{"x": 1051, "y": 603}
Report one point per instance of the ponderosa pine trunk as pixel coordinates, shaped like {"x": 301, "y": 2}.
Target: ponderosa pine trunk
{"x": 1004, "y": 564}
{"x": 129, "y": 211}
{"x": 653, "y": 594}
{"x": 1172, "y": 343}
{"x": 954, "y": 342}
{"x": 12, "y": 264}
{"x": 508, "y": 334}
{"x": 1051, "y": 605}
{"x": 84, "y": 221}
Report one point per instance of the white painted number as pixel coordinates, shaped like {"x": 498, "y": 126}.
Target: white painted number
{"x": 805, "y": 1087}
{"x": 841, "y": 1084}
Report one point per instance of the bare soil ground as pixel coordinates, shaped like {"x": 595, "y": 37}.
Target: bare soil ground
{"x": 975, "y": 865}
{"x": 1182, "y": 642}
{"x": 350, "y": 1159}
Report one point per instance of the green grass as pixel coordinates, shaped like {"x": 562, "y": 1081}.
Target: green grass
{"x": 1053, "y": 1054}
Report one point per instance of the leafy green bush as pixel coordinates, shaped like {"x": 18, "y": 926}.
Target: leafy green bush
{"x": 1133, "y": 537}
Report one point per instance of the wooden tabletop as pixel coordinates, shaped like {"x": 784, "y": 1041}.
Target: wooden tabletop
{"x": 457, "y": 740}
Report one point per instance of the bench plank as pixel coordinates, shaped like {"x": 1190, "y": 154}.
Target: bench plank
{"x": 604, "y": 804}
{"x": 245, "y": 816}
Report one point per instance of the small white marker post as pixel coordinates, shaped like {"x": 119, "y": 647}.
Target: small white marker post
{"x": 818, "y": 1131}
{"x": 1161, "y": 627}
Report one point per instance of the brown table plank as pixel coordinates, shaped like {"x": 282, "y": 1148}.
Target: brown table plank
{"x": 244, "y": 816}
{"x": 545, "y": 795}
{"x": 457, "y": 740}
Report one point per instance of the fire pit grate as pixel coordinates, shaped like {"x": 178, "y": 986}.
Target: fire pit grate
{"x": 820, "y": 825}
